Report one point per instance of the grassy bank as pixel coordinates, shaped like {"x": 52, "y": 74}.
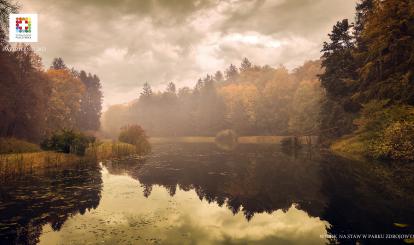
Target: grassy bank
{"x": 351, "y": 146}
{"x": 383, "y": 133}
{"x": 19, "y": 163}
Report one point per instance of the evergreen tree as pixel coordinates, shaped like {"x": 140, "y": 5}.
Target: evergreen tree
{"x": 58, "y": 64}
{"x": 337, "y": 59}
{"x": 245, "y": 65}
{"x": 91, "y": 102}
{"x": 363, "y": 10}
{"x": 146, "y": 90}
{"x": 388, "y": 68}
{"x": 231, "y": 72}
{"x": 339, "y": 81}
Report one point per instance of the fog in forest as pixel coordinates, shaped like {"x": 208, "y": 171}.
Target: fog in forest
{"x": 250, "y": 99}
{"x": 206, "y": 122}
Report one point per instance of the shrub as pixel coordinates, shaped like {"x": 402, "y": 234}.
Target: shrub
{"x": 68, "y": 141}
{"x": 135, "y": 135}
{"x": 397, "y": 142}
{"x": 13, "y": 145}
{"x": 387, "y": 131}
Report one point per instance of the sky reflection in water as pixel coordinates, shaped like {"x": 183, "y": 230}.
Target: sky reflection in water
{"x": 201, "y": 194}
{"x": 125, "y": 215}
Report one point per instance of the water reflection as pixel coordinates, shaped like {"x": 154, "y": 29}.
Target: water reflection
{"x": 125, "y": 216}
{"x": 352, "y": 197}
{"x": 366, "y": 198}
{"x": 253, "y": 179}
{"x": 201, "y": 194}
{"x": 27, "y": 204}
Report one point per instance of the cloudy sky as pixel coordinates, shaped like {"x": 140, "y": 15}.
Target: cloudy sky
{"x": 129, "y": 42}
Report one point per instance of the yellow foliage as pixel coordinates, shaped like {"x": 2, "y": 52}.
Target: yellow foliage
{"x": 350, "y": 146}
{"x": 244, "y": 94}
{"x": 65, "y": 99}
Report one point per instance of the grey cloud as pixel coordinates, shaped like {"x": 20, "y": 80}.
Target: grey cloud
{"x": 129, "y": 42}
{"x": 306, "y": 17}
{"x": 166, "y": 12}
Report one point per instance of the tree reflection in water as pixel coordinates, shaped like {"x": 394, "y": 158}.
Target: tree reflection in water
{"x": 304, "y": 195}
{"x": 354, "y": 197}
{"x": 28, "y": 203}
{"x": 252, "y": 179}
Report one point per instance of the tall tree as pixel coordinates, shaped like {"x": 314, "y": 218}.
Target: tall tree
{"x": 65, "y": 101}
{"x": 388, "y": 68}
{"x": 24, "y": 94}
{"x": 339, "y": 81}
{"x": 58, "y": 64}
{"x": 363, "y": 9}
{"x": 245, "y": 65}
{"x": 91, "y": 102}
{"x": 231, "y": 72}
{"x": 146, "y": 90}
{"x": 337, "y": 59}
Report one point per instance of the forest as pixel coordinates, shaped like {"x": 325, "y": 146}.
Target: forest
{"x": 251, "y": 100}
{"x": 36, "y": 101}
{"x": 361, "y": 92}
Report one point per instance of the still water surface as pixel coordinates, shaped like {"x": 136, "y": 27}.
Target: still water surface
{"x": 199, "y": 194}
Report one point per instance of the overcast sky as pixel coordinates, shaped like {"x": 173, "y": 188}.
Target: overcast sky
{"x": 129, "y": 42}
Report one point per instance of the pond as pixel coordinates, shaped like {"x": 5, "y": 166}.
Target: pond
{"x": 198, "y": 193}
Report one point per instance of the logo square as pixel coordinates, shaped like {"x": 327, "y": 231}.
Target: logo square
{"x": 23, "y": 28}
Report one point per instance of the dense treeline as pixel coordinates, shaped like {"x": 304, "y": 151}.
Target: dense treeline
{"x": 252, "y": 100}
{"x": 369, "y": 80}
{"x": 35, "y": 102}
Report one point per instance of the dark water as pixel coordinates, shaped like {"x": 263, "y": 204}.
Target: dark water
{"x": 199, "y": 194}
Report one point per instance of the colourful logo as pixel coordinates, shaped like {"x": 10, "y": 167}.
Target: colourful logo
{"x": 26, "y": 28}
{"x": 23, "y": 25}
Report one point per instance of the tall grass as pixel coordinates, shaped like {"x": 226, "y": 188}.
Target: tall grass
{"x": 108, "y": 150}
{"x": 13, "y": 145}
{"x": 21, "y": 163}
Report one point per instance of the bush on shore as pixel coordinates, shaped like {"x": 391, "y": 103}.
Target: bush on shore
{"x": 68, "y": 141}
{"x": 397, "y": 142}
{"x": 135, "y": 135}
